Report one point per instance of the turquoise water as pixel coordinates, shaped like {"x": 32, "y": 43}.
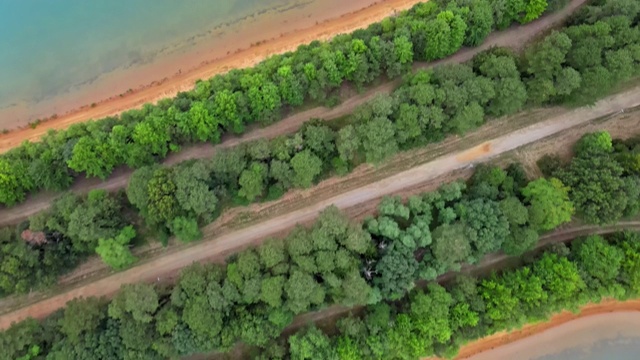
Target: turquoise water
{"x": 621, "y": 348}
{"x": 49, "y": 46}
{"x": 60, "y": 55}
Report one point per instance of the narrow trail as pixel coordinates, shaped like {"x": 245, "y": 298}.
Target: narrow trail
{"x": 515, "y": 37}
{"x": 218, "y": 248}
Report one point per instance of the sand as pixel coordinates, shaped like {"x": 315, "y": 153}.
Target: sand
{"x": 610, "y": 318}
{"x": 169, "y": 84}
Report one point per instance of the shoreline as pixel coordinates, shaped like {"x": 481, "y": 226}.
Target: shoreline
{"x": 168, "y": 86}
{"x": 489, "y": 344}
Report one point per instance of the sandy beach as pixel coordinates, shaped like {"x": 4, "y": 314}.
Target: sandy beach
{"x": 179, "y": 74}
{"x": 609, "y": 318}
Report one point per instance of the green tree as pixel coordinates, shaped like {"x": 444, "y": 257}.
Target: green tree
{"x": 140, "y": 301}
{"x": 115, "y": 251}
{"x": 378, "y": 139}
{"x": 306, "y": 166}
{"x": 186, "y": 229}
{"x": 100, "y": 216}
{"x": 137, "y": 189}
{"x": 272, "y": 290}
{"x": 549, "y": 204}
{"x": 14, "y": 182}
{"x": 396, "y": 271}
{"x": 408, "y": 127}
{"x": 272, "y": 253}
{"x": 450, "y": 246}
{"x": 225, "y": 105}
{"x": 520, "y": 241}
{"x": 545, "y": 62}
{"x": 81, "y": 316}
{"x": 347, "y": 143}
{"x": 560, "y": 277}
{"x": 355, "y": 289}
{"x": 598, "y": 189}
{"x": 311, "y": 344}
{"x": 479, "y": 21}
{"x": 199, "y": 124}
{"x": 597, "y": 143}
{"x": 486, "y": 226}
{"x": 430, "y": 314}
{"x": 320, "y": 139}
{"x": 444, "y": 35}
{"x": 152, "y": 136}
{"x": 252, "y": 181}
{"x": 162, "y": 205}
{"x": 302, "y": 292}
{"x": 514, "y": 210}
{"x": 227, "y": 165}
{"x": 599, "y": 259}
{"x": 193, "y": 193}
{"x": 282, "y": 173}
{"x": 533, "y": 10}
{"x": 94, "y": 156}
{"x": 290, "y": 86}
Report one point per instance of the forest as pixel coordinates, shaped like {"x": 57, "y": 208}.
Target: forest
{"x": 263, "y": 94}
{"x": 258, "y": 292}
{"x": 438, "y": 319}
{"x": 428, "y": 106}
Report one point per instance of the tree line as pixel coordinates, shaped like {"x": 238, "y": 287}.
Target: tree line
{"x": 438, "y": 320}
{"x": 257, "y": 293}
{"x": 262, "y": 94}
{"x": 428, "y": 105}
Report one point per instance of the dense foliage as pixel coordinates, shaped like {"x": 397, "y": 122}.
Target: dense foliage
{"x": 262, "y": 94}
{"x": 604, "y": 181}
{"x": 56, "y": 240}
{"x": 257, "y": 293}
{"x": 427, "y": 107}
{"x": 438, "y": 320}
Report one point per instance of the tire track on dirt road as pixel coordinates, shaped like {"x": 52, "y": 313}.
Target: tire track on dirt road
{"x": 515, "y": 38}
{"x": 217, "y": 249}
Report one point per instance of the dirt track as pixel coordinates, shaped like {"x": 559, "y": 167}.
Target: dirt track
{"x": 218, "y": 249}
{"x": 515, "y": 37}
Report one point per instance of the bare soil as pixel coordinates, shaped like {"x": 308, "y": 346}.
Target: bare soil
{"x": 171, "y": 260}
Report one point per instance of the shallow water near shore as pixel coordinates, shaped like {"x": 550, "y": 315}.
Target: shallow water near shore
{"x": 609, "y": 336}
{"x": 60, "y": 55}
{"x": 620, "y": 348}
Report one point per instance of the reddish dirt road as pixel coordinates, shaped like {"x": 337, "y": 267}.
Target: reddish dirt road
{"x": 218, "y": 248}
{"x": 515, "y": 37}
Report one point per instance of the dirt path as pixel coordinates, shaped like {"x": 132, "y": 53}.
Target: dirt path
{"x": 218, "y": 249}
{"x": 514, "y": 37}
